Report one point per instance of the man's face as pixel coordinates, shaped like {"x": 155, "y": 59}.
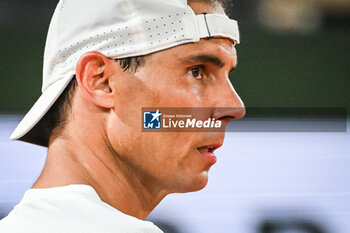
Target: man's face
{"x": 191, "y": 75}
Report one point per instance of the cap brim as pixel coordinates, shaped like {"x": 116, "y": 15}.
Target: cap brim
{"x": 40, "y": 108}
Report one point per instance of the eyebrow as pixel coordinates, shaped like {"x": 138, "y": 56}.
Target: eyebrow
{"x": 205, "y": 58}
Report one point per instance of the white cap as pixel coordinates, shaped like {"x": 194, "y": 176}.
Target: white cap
{"x": 117, "y": 29}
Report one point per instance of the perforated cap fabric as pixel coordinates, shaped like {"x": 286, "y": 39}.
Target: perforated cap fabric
{"x": 117, "y": 29}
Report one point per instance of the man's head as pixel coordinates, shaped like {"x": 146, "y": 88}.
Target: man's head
{"x": 103, "y": 106}
{"x": 55, "y": 119}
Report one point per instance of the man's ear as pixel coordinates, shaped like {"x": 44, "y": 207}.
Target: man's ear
{"x": 93, "y": 72}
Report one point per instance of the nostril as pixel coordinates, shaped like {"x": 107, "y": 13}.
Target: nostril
{"x": 227, "y": 118}
{"x": 228, "y": 114}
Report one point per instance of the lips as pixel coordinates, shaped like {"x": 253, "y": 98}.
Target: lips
{"x": 208, "y": 152}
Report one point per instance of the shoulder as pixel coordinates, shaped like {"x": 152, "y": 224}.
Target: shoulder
{"x": 74, "y": 214}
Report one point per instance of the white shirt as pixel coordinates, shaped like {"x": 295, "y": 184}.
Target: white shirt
{"x": 70, "y": 209}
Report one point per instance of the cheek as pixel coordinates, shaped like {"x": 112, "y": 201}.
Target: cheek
{"x": 160, "y": 155}
{"x": 166, "y": 159}
{"x": 184, "y": 93}
{"x": 171, "y": 87}
{"x": 197, "y": 93}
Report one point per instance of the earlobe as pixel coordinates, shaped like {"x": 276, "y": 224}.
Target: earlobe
{"x": 93, "y": 72}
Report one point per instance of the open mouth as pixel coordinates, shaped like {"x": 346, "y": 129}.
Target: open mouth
{"x": 209, "y": 148}
{"x": 206, "y": 149}
{"x": 208, "y": 152}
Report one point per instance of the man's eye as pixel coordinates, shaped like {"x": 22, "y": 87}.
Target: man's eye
{"x": 196, "y": 72}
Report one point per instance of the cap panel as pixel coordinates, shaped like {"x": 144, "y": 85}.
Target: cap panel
{"x": 51, "y": 59}
{"x": 41, "y": 106}
{"x": 221, "y": 25}
{"x": 133, "y": 29}
{"x": 122, "y": 29}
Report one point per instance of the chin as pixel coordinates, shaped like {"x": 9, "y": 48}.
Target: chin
{"x": 195, "y": 184}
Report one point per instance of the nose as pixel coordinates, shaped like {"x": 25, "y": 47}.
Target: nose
{"x": 229, "y": 105}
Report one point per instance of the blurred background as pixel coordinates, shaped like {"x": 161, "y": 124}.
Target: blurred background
{"x": 293, "y": 55}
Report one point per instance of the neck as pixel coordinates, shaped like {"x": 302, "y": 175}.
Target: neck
{"x": 81, "y": 160}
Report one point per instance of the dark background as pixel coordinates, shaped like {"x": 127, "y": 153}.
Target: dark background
{"x": 277, "y": 67}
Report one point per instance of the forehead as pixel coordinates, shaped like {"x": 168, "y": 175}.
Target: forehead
{"x": 174, "y": 58}
{"x": 208, "y": 6}
{"x": 216, "y": 46}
